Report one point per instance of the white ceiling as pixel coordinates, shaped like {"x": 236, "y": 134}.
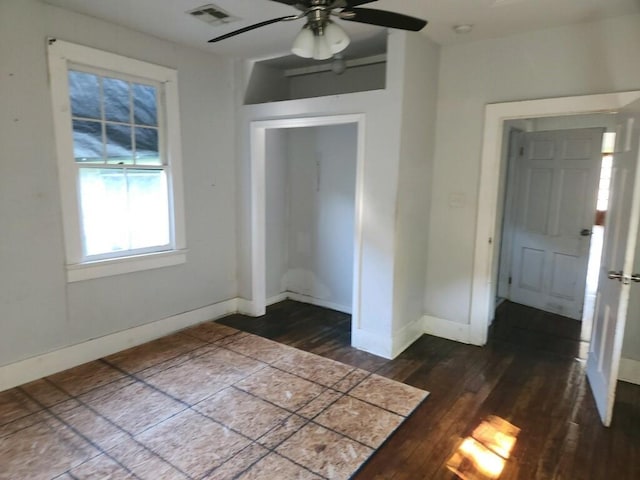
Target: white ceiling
{"x": 491, "y": 18}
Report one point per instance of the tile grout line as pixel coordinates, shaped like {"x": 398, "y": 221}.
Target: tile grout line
{"x": 267, "y": 364}
{"x": 106, "y": 419}
{"x": 233, "y": 385}
{"x": 91, "y": 442}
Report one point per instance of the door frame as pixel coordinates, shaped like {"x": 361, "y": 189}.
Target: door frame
{"x": 487, "y": 243}
{"x": 258, "y": 139}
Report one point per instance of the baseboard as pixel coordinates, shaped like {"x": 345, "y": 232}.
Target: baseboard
{"x": 629, "y": 371}
{"x": 298, "y": 297}
{"x": 249, "y": 307}
{"x": 439, "y": 327}
{"x": 281, "y": 297}
{"x": 40, "y": 366}
{"x": 372, "y": 343}
{"x": 404, "y": 337}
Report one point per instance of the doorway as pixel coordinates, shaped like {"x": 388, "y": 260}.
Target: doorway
{"x": 301, "y": 250}
{"x": 310, "y": 211}
{"x": 489, "y": 216}
{"x": 554, "y": 208}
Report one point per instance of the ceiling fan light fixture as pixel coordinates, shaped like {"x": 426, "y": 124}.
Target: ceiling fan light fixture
{"x": 338, "y": 66}
{"x": 304, "y": 43}
{"x": 322, "y": 48}
{"x": 337, "y": 37}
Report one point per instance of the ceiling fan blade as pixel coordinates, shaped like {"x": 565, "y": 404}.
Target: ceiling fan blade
{"x": 383, "y": 18}
{"x": 253, "y": 27}
{"x": 355, "y": 3}
{"x": 288, "y": 2}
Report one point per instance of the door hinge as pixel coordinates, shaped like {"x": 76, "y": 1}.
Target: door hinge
{"x": 521, "y": 151}
{"x": 510, "y": 280}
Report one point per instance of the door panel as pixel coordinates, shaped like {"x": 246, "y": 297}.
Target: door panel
{"x": 557, "y": 191}
{"x": 532, "y": 268}
{"x": 536, "y": 210}
{"x": 563, "y": 283}
{"x": 620, "y": 241}
{"x": 571, "y": 213}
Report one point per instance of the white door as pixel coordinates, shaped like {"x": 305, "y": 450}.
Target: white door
{"x": 616, "y": 277}
{"x": 558, "y": 174}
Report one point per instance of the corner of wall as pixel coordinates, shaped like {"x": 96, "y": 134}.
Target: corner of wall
{"x": 629, "y": 371}
{"x": 372, "y": 343}
{"x": 439, "y": 327}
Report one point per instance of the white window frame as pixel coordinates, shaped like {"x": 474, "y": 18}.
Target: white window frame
{"x": 63, "y": 56}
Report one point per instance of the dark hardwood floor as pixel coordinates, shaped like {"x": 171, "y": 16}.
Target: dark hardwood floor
{"x": 529, "y": 374}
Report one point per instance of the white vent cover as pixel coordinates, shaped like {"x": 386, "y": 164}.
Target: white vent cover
{"x": 212, "y": 14}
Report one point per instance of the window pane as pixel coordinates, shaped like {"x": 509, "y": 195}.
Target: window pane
{"x": 87, "y": 141}
{"x": 145, "y": 107}
{"x": 117, "y": 104}
{"x": 147, "y": 151}
{"x": 609, "y": 142}
{"x": 148, "y": 208}
{"x": 103, "y": 204}
{"x": 119, "y": 149}
{"x": 84, "y": 91}
{"x": 123, "y": 209}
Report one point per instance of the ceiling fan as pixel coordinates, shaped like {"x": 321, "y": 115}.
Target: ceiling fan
{"x": 321, "y": 38}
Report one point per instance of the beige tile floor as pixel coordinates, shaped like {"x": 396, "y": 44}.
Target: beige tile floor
{"x": 210, "y": 402}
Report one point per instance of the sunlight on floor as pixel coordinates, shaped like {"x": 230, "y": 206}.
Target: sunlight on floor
{"x": 484, "y": 454}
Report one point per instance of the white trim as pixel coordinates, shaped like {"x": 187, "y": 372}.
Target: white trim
{"x": 40, "y": 366}
{"x": 439, "y": 327}
{"x": 258, "y": 131}
{"x": 358, "y": 226}
{"x": 258, "y": 217}
{"x": 403, "y": 338}
{"x": 118, "y": 266}
{"x": 250, "y": 308}
{"x": 629, "y": 371}
{"x": 299, "y": 297}
{"x": 370, "y": 342}
{"x": 281, "y": 297}
{"x": 487, "y": 225}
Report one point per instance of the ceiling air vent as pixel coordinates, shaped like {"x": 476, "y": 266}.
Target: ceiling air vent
{"x": 212, "y": 14}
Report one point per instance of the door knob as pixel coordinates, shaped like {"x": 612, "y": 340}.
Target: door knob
{"x": 613, "y": 275}
{"x": 585, "y": 232}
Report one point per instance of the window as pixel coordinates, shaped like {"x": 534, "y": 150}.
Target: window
{"x": 117, "y": 134}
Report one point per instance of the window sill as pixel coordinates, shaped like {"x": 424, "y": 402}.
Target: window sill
{"x": 119, "y": 266}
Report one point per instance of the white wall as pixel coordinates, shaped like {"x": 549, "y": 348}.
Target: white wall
{"x": 266, "y": 84}
{"x": 575, "y": 60}
{"x": 40, "y": 312}
{"x": 278, "y": 183}
{"x": 354, "y": 79}
{"x": 631, "y": 344}
{"x": 417, "y": 146}
{"x": 322, "y": 166}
